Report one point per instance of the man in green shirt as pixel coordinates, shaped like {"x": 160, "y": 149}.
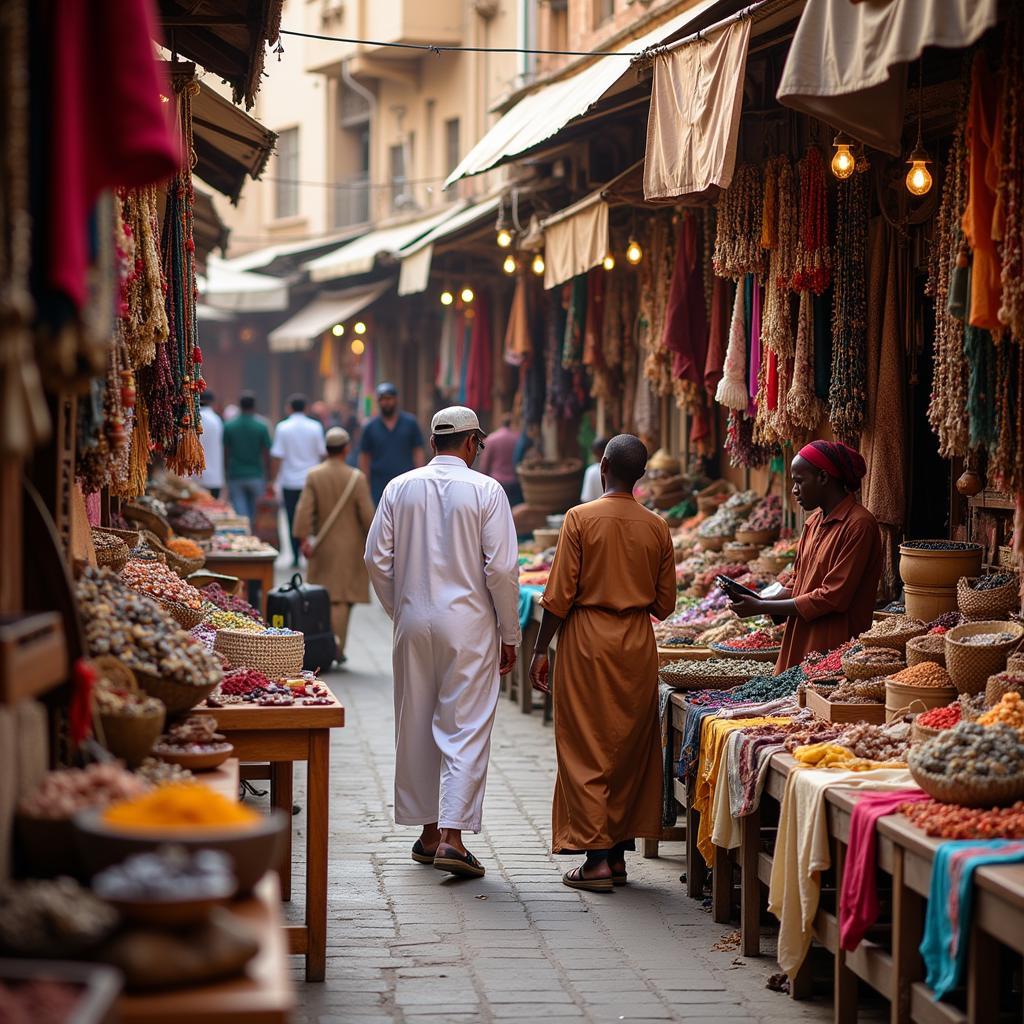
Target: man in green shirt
{"x": 247, "y": 446}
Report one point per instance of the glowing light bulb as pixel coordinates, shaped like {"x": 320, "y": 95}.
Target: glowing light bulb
{"x": 634, "y": 254}
{"x": 843, "y": 161}
{"x": 447, "y": 298}
{"x": 509, "y": 264}
{"x": 467, "y": 295}
{"x": 338, "y": 330}
{"x": 537, "y": 266}
{"x": 608, "y": 262}
{"x": 504, "y": 238}
{"x": 358, "y": 346}
{"x": 360, "y": 327}
{"x": 919, "y": 179}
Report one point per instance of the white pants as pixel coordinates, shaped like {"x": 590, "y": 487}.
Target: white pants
{"x": 446, "y": 695}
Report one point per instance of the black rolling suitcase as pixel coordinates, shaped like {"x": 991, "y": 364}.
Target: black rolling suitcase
{"x": 305, "y": 607}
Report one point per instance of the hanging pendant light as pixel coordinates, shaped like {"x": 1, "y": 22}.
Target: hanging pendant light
{"x": 634, "y": 254}
{"x": 919, "y": 178}
{"x": 608, "y": 262}
{"x": 447, "y": 298}
{"x": 509, "y": 264}
{"x": 843, "y": 160}
{"x": 537, "y": 265}
{"x": 504, "y": 234}
{"x": 467, "y": 295}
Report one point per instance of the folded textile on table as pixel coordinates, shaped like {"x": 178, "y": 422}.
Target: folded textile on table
{"x": 527, "y": 594}
{"x": 834, "y": 755}
{"x": 712, "y": 751}
{"x": 780, "y": 706}
{"x": 950, "y": 896}
{"x": 802, "y": 850}
{"x": 858, "y": 894}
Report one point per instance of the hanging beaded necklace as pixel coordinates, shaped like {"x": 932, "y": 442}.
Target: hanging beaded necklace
{"x": 1010, "y": 189}
{"x": 813, "y": 262}
{"x": 738, "y": 229}
{"x": 848, "y": 389}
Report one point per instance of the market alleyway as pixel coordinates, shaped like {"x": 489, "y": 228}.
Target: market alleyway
{"x": 407, "y": 945}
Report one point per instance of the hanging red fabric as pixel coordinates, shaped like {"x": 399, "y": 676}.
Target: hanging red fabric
{"x": 478, "y": 374}
{"x": 108, "y": 125}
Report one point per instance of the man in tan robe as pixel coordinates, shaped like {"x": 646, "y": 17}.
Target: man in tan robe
{"x": 334, "y": 543}
{"x": 614, "y": 568}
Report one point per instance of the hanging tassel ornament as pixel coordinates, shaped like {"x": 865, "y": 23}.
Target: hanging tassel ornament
{"x": 813, "y": 252}
{"x": 732, "y": 388}
{"x": 804, "y": 409}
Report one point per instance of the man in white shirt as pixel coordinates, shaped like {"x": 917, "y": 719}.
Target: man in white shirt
{"x": 212, "y": 440}
{"x": 442, "y": 558}
{"x": 298, "y": 447}
{"x": 592, "y": 487}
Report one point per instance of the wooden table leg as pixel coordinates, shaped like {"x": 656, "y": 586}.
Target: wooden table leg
{"x": 907, "y": 932}
{"x": 317, "y": 826}
{"x": 266, "y": 584}
{"x": 695, "y": 869}
{"x": 281, "y": 796}
{"x": 750, "y": 885}
{"x": 721, "y": 886}
{"x": 844, "y": 981}
{"x": 983, "y": 981}
{"x": 648, "y": 848}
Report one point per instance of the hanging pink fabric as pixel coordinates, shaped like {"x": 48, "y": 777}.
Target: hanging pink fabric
{"x": 107, "y": 123}
{"x": 755, "y": 347}
{"x": 718, "y": 335}
{"x": 686, "y": 323}
{"x": 593, "y": 325}
{"x": 478, "y": 374}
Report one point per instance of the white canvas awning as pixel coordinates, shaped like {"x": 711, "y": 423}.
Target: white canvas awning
{"x": 541, "y": 114}
{"x": 846, "y": 65}
{"x": 298, "y": 333}
{"x": 240, "y": 291}
{"x": 416, "y": 258}
{"x": 575, "y": 239}
{"x": 359, "y": 257}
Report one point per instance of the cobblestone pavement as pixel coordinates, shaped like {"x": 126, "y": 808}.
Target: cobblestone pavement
{"x": 407, "y": 944}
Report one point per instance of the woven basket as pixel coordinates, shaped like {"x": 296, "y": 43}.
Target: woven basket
{"x": 762, "y": 654}
{"x": 130, "y": 537}
{"x": 987, "y": 604}
{"x": 923, "y": 733}
{"x": 759, "y": 537}
{"x": 204, "y": 534}
{"x": 129, "y": 737}
{"x": 116, "y": 557}
{"x": 1007, "y": 558}
{"x": 178, "y": 698}
{"x": 275, "y": 656}
{"x": 667, "y": 484}
{"x": 710, "y": 498}
{"x": 776, "y": 563}
{"x": 857, "y": 670}
{"x": 712, "y": 543}
{"x": 897, "y": 641}
{"x": 916, "y": 655}
{"x": 187, "y": 618}
{"x": 901, "y": 699}
{"x": 968, "y": 792}
{"x": 710, "y": 680}
{"x": 1015, "y": 663}
{"x": 147, "y": 520}
{"x": 551, "y": 486}
{"x": 178, "y": 564}
{"x": 1002, "y": 683}
{"x": 669, "y": 499}
{"x": 968, "y": 666}
{"x": 741, "y": 552}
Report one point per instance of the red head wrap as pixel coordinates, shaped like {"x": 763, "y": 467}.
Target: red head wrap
{"x": 838, "y": 460}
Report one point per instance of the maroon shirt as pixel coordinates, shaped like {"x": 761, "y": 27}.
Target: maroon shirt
{"x": 838, "y": 565}
{"x": 498, "y": 457}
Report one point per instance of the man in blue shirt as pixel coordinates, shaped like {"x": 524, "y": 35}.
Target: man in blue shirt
{"x": 392, "y": 443}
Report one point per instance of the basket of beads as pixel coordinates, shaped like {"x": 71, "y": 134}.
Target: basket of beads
{"x": 971, "y": 764}
{"x": 111, "y": 551}
{"x": 716, "y": 673}
{"x": 127, "y": 720}
{"x": 893, "y": 632}
{"x": 868, "y": 662}
{"x": 712, "y": 497}
{"x": 172, "y": 593}
{"x": 988, "y": 597}
{"x": 182, "y": 565}
{"x": 148, "y": 518}
{"x": 978, "y": 650}
{"x": 1002, "y": 683}
{"x": 274, "y": 652}
{"x": 930, "y": 647}
{"x": 190, "y": 522}
{"x": 189, "y": 557}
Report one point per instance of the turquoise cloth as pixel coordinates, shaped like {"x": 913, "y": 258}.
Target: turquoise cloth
{"x": 526, "y": 596}
{"x": 947, "y": 923}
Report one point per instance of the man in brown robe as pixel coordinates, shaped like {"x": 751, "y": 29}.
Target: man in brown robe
{"x": 838, "y": 560}
{"x": 334, "y": 542}
{"x": 614, "y": 568}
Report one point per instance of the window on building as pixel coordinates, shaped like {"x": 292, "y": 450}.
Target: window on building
{"x": 603, "y": 11}
{"x": 396, "y": 158}
{"x": 452, "y": 153}
{"x": 286, "y": 188}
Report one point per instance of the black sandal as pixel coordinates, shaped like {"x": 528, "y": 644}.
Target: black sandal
{"x": 574, "y": 879}
{"x": 456, "y": 864}
{"x": 419, "y": 853}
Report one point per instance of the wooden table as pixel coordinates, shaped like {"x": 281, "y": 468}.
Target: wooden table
{"x": 279, "y": 737}
{"x": 253, "y": 567}
{"x": 262, "y": 995}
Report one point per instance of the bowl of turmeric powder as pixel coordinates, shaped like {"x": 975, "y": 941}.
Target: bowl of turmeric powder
{"x": 189, "y": 815}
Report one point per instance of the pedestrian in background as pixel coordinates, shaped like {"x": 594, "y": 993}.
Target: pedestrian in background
{"x": 614, "y": 568}
{"x": 247, "y": 447}
{"x": 392, "y": 442}
{"x": 212, "y": 440}
{"x": 298, "y": 447}
{"x": 592, "y": 488}
{"x": 443, "y": 559}
{"x": 499, "y": 459}
{"x": 333, "y": 517}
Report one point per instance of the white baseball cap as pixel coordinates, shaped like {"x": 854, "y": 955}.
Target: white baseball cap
{"x": 454, "y": 420}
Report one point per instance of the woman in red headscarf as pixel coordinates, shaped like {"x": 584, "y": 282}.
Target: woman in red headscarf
{"x": 838, "y": 560}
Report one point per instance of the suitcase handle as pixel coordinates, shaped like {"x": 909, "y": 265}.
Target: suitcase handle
{"x": 295, "y": 583}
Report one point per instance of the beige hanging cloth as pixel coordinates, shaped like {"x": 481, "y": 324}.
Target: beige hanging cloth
{"x": 694, "y": 119}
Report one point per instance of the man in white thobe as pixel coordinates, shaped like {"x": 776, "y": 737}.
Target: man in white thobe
{"x": 442, "y": 557}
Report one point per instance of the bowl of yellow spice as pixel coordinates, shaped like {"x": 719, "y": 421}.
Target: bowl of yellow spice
{"x": 189, "y": 815}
